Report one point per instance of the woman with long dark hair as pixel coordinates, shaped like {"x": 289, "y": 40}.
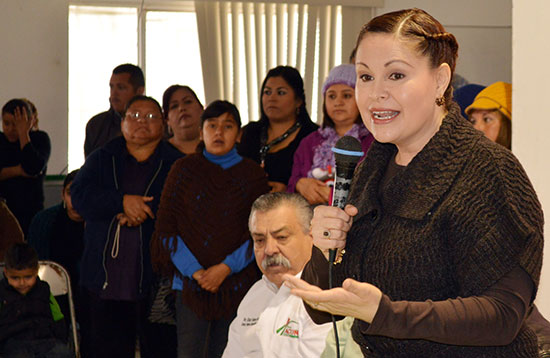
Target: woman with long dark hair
{"x": 284, "y": 122}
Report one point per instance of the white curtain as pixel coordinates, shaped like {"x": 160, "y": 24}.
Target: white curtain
{"x": 241, "y": 41}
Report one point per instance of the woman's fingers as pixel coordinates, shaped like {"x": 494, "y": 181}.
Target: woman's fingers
{"x": 323, "y": 300}
{"x": 331, "y": 234}
{"x": 337, "y": 227}
{"x": 298, "y": 287}
{"x": 21, "y": 119}
{"x": 295, "y": 282}
{"x": 330, "y": 225}
{"x": 357, "y": 299}
{"x": 147, "y": 212}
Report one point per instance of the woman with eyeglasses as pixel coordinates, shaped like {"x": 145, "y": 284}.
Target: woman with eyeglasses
{"x": 117, "y": 192}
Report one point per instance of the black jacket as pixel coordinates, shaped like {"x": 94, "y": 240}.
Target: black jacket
{"x": 278, "y": 165}
{"x": 25, "y": 196}
{"x": 97, "y": 196}
{"x": 100, "y": 129}
{"x": 28, "y": 317}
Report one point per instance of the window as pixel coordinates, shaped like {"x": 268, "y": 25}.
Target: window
{"x": 241, "y": 41}
{"x": 172, "y": 53}
{"x": 100, "y": 38}
{"x": 169, "y": 43}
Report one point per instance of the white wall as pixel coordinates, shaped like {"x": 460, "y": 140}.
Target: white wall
{"x": 33, "y": 64}
{"x": 483, "y": 30}
{"x": 531, "y": 125}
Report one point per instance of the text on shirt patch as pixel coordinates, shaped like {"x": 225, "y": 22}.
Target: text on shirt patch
{"x": 288, "y": 330}
{"x": 249, "y": 321}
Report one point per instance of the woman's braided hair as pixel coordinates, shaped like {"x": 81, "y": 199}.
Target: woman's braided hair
{"x": 428, "y": 35}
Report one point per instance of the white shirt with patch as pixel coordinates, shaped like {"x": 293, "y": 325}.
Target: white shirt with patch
{"x": 271, "y": 322}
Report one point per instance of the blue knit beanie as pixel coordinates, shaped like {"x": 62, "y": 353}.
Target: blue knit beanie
{"x": 465, "y": 95}
{"x": 342, "y": 74}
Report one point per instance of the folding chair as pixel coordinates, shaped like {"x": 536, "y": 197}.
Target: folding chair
{"x": 60, "y": 284}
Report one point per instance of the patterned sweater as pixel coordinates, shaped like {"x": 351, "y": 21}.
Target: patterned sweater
{"x": 457, "y": 219}
{"x": 208, "y": 207}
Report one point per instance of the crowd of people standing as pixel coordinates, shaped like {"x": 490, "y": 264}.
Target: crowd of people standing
{"x": 154, "y": 227}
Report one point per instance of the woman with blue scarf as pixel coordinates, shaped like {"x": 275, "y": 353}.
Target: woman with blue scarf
{"x": 202, "y": 238}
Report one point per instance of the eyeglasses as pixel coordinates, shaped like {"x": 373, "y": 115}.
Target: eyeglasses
{"x": 136, "y": 117}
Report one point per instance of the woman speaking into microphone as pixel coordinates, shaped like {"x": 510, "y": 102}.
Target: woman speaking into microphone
{"x": 443, "y": 231}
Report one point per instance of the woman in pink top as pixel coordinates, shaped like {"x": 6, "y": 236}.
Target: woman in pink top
{"x": 313, "y": 168}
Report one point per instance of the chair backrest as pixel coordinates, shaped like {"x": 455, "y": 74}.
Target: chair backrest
{"x": 56, "y": 276}
{"x": 60, "y": 284}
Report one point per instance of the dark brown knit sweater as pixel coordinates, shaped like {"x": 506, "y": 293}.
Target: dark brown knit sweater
{"x": 208, "y": 207}
{"x": 461, "y": 216}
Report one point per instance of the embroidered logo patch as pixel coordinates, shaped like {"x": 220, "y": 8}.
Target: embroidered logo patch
{"x": 289, "y": 329}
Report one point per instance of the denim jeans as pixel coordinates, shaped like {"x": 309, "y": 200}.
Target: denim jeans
{"x": 197, "y": 337}
{"x": 114, "y": 327}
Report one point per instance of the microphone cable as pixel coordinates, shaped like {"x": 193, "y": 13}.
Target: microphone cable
{"x": 331, "y": 260}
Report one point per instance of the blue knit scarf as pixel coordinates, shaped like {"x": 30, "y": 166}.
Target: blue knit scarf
{"x": 225, "y": 161}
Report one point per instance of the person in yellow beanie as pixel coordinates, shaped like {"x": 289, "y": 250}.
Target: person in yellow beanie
{"x": 491, "y": 113}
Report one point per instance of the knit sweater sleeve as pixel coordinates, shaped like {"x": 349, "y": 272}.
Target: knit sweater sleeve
{"x": 316, "y": 273}
{"x": 474, "y": 320}
{"x": 498, "y": 224}
{"x": 184, "y": 260}
{"x": 239, "y": 259}
{"x": 187, "y": 264}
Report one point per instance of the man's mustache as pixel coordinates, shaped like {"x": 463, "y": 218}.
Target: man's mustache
{"x": 275, "y": 260}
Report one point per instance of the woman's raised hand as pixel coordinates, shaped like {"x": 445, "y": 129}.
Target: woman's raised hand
{"x": 330, "y": 226}
{"x": 23, "y": 124}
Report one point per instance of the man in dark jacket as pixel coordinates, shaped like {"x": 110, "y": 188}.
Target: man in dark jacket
{"x": 117, "y": 192}
{"x": 126, "y": 82}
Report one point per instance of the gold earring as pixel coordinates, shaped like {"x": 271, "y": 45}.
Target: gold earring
{"x": 440, "y": 101}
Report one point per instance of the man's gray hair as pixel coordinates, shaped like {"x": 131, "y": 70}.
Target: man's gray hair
{"x": 271, "y": 201}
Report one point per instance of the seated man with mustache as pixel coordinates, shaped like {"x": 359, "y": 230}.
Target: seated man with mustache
{"x": 270, "y": 321}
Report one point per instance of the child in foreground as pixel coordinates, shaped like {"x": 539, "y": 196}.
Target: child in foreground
{"x": 31, "y": 323}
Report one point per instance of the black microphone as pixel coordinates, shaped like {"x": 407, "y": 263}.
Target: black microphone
{"x": 347, "y": 153}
